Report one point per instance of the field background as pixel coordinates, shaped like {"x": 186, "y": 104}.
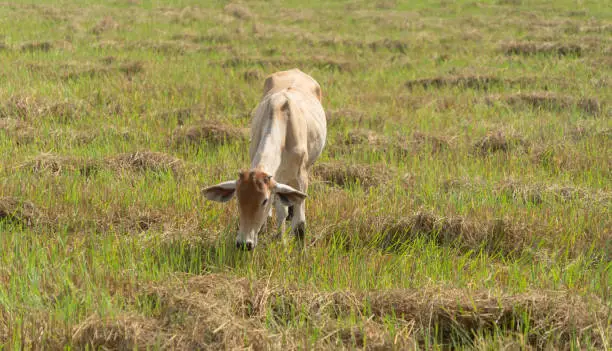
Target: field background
{"x": 463, "y": 199}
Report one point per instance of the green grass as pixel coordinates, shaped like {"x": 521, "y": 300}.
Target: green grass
{"x": 434, "y": 241}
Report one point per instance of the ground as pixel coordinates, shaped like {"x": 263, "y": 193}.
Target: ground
{"x": 462, "y": 201}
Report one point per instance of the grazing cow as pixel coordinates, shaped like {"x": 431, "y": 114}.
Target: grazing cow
{"x": 288, "y": 133}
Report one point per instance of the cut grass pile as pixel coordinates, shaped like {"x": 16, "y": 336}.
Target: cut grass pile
{"x": 220, "y": 311}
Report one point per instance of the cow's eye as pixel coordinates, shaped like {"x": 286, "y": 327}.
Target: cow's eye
{"x": 264, "y": 202}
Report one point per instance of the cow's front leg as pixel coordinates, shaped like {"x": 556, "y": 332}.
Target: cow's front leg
{"x": 298, "y": 222}
{"x": 281, "y": 214}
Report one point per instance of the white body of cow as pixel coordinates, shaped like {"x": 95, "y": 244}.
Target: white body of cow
{"x": 288, "y": 134}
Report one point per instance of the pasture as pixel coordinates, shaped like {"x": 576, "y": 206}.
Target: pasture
{"x": 463, "y": 199}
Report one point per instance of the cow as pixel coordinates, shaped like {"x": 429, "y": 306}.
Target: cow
{"x": 288, "y": 134}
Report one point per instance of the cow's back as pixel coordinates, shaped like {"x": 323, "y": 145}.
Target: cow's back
{"x": 294, "y": 79}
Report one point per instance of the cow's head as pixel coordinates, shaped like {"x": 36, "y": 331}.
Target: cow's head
{"x": 254, "y": 190}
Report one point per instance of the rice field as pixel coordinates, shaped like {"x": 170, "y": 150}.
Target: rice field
{"x": 463, "y": 199}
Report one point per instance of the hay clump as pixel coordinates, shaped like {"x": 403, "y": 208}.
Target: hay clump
{"x": 461, "y": 312}
{"x": 465, "y": 81}
{"x": 54, "y": 164}
{"x": 436, "y": 143}
{"x": 344, "y": 175}
{"x": 545, "y": 48}
{"x": 498, "y": 141}
{"x": 37, "y": 46}
{"x": 104, "y": 25}
{"x": 217, "y": 310}
{"x": 31, "y": 107}
{"x": 550, "y": 101}
{"x": 21, "y": 107}
{"x": 253, "y": 75}
{"x": 563, "y": 156}
{"x": 213, "y": 132}
{"x": 181, "y": 114}
{"x": 132, "y": 68}
{"x": 86, "y": 73}
{"x": 124, "y": 332}
{"x": 364, "y": 137}
{"x": 586, "y": 131}
{"x": 20, "y": 132}
{"x": 529, "y": 192}
{"x": 393, "y": 233}
{"x": 18, "y": 211}
{"x": 494, "y": 236}
{"x": 239, "y": 11}
{"x": 145, "y": 161}
{"x": 339, "y": 116}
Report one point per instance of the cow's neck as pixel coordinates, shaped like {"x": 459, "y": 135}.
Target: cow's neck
{"x": 270, "y": 147}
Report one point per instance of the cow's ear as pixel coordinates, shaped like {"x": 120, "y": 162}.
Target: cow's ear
{"x": 221, "y": 192}
{"x": 288, "y": 195}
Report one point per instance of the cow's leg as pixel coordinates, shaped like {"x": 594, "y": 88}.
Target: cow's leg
{"x": 281, "y": 214}
{"x": 289, "y": 214}
{"x": 298, "y": 222}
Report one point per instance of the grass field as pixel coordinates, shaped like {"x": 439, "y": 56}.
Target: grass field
{"x": 463, "y": 199}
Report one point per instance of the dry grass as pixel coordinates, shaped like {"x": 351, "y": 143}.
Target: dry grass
{"x": 10, "y": 124}
{"x": 564, "y": 157}
{"x": 145, "y": 161}
{"x": 133, "y": 219}
{"x": 181, "y": 114}
{"x": 132, "y": 68}
{"x": 129, "y": 70}
{"x": 123, "y": 332}
{"x": 345, "y": 115}
{"x": 106, "y": 24}
{"x": 56, "y": 165}
{"x": 239, "y": 11}
{"x": 18, "y": 211}
{"x": 368, "y": 140}
{"x": 585, "y": 131}
{"x": 87, "y": 73}
{"x": 18, "y": 131}
{"x": 253, "y": 75}
{"x": 550, "y": 101}
{"x": 496, "y": 236}
{"x": 483, "y": 82}
{"x": 37, "y": 46}
{"x": 436, "y": 143}
{"x": 29, "y": 108}
{"x": 364, "y": 137}
{"x": 208, "y": 131}
{"x": 318, "y": 61}
{"x": 392, "y": 45}
{"x": 498, "y": 141}
{"x": 344, "y": 175}
{"x": 546, "y": 48}
{"x": 222, "y": 312}
{"x": 531, "y": 192}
